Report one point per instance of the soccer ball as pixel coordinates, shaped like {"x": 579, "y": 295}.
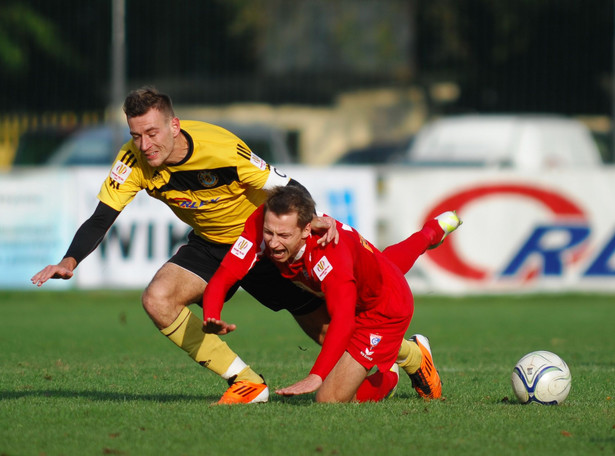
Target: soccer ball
{"x": 541, "y": 377}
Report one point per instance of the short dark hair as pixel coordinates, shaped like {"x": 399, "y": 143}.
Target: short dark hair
{"x": 289, "y": 199}
{"x": 140, "y": 101}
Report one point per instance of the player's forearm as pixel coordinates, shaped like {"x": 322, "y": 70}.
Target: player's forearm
{"x": 216, "y": 291}
{"x": 68, "y": 262}
{"x": 341, "y": 297}
{"x": 91, "y": 233}
{"x": 333, "y": 348}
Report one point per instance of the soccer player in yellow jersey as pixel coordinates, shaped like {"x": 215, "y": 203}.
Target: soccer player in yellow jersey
{"x": 212, "y": 181}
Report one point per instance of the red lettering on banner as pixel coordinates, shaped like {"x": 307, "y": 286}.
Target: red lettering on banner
{"x": 446, "y": 256}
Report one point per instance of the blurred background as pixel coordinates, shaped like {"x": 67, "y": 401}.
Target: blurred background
{"x": 327, "y": 77}
{"x": 387, "y": 110}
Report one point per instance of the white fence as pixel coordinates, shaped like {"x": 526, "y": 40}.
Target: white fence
{"x": 549, "y": 231}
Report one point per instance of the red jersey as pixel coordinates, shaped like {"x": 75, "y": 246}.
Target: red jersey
{"x": 360, "y": 285}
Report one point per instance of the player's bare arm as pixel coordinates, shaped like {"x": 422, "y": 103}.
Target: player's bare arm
{"x": 63, "y": 270}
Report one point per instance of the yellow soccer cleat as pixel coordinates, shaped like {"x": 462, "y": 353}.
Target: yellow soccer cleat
{"x": 449, "y": 221}
{"x": 244, "y": 392}
{"x": 426, "y": 380}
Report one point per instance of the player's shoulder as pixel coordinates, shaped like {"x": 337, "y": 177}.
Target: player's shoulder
{"x": 199, "y": 129}
{"x": 127, "y": 155}
{"x": 213, "y": 145}
{"x": 322, "y": 260}
{"x": 254, "y": 223}
{"x": 126, "y": 167}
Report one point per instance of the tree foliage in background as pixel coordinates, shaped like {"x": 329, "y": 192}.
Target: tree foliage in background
{"x": 22, "y": 29}
{"x": 522, "y": 55}
{"x": 506, "y": 55}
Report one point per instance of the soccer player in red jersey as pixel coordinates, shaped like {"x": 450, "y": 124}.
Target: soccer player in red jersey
{"x": 366, "y": 295}
{"x": 224, "y": 182}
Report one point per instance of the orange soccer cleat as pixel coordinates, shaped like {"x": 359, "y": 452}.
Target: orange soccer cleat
{"x": 426, "y": 381}
{"x": 244, "y": 392}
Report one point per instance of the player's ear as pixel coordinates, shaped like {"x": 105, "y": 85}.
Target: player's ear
{"x": 175, "y": 128}
{"x": 305, "y": 232}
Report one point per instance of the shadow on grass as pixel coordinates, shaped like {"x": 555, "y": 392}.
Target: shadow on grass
{"x": 105, "y": 396}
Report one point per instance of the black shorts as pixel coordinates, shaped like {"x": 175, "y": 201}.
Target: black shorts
{"x": 263, "y": 282}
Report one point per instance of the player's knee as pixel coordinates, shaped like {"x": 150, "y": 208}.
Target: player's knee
{"x": 321, "y": 397}
{"x": 329, "y": 396}
{"x": 155, "y": 301}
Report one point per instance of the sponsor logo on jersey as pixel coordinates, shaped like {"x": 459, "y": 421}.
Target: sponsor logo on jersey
{"x": 241, "y": 247}
{"x": 208, "y": 179}
{"x": 367, "y": 354}
{"x": 120, "y": 172}
{"x": 186, "y": 203}
{"x": 258, "y": 162}
{"x": 322, "y": 268}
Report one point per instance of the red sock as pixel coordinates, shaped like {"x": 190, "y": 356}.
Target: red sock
{"x": 376, "y": 386}
{"x": 406, "y": 252}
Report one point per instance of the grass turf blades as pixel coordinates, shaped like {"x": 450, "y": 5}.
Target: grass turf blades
{"x": 87, "y": 373}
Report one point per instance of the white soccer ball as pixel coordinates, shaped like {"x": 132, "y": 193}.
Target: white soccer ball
{"x": 541, "y": 377}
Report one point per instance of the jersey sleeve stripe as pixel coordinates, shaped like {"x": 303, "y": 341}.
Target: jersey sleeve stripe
{"x": 244, "y": 152}
{"x": 129, "y": 158}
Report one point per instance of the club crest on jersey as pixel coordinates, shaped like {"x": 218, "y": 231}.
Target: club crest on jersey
{"x": 322, "y": 268}
{"x": 374, "y": 339}
{"x": 207, "y": 179}
{"x": 241, "y": 247}
{"x": 120, "y": 172}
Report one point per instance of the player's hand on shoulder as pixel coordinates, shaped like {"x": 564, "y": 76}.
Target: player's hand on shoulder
{"x": 327, "y": 227}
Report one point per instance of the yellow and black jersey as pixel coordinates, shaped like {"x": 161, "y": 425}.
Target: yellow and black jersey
{"x": 213, "y": 189}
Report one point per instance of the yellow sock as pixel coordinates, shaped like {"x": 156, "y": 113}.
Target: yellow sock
{"x": 207, "y": 349}
{"x": 409, "y": 357}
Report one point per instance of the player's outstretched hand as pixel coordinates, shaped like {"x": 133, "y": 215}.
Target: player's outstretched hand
{"x": 62, "y": 270}
{"x": 308, "y": 385}
{"x": 327, "y": 226}
{"x": 219, "y": 327}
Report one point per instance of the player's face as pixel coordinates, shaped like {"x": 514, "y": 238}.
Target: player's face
{"x": 156, "y": 137}
{"x": 283, "y": 237}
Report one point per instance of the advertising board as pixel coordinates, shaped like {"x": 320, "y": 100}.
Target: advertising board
{"x": 42, "y": 209}
{"x": 547, "y": 231}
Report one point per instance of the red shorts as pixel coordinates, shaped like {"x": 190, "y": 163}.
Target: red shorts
{"x": 380, "y": 330}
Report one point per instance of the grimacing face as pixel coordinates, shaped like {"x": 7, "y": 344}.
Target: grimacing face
{"x": 156, "y": 137}
{"x": 283, "y": 237}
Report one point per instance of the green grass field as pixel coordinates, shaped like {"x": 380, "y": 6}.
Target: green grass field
{"x": 86, "y": 373}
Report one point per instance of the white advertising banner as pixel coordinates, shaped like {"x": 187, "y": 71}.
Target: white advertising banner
{"x": 36, "y": 223}
{"x": 347, "y": 194}
{"x": 147, "y": 233}
{"x": 41, "y": 210}
{"x": 522, "y": 232}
